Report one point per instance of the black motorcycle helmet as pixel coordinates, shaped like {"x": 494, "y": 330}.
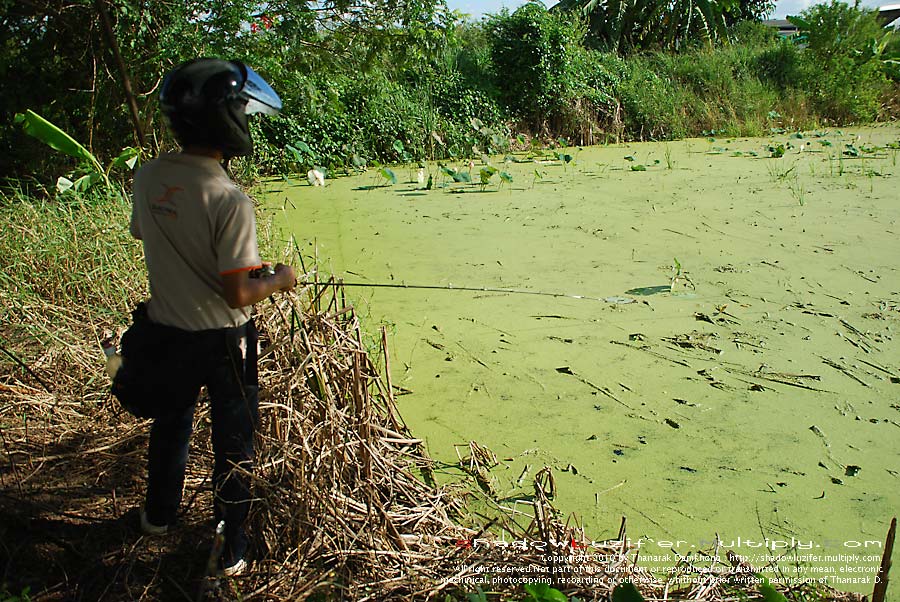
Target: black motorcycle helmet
{"x": 206, "y": 102}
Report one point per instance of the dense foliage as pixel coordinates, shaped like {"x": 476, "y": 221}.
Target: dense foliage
{"x": 58, "y": 61}
{"x": 406, "y": 81}
{"x": 623, "y": 26}
{"x": 843, "y": 66}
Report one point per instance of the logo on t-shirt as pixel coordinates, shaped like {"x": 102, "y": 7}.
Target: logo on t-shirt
{"x": 165, "y": 205}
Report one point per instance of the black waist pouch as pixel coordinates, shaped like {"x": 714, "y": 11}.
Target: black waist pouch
{"x": 161, "y": 368}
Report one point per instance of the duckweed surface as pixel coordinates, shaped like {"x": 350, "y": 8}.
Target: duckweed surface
{"x": 735, "y": 370}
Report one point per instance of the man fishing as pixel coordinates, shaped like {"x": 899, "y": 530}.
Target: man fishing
{"x": 199, "y": 235}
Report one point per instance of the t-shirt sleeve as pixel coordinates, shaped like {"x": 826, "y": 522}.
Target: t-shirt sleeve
{"x": 236, "y": 246}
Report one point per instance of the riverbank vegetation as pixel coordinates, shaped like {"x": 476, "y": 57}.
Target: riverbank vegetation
{"x": 357, "y": 80}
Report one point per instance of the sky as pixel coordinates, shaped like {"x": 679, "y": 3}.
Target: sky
{"x": 782, "y": 7}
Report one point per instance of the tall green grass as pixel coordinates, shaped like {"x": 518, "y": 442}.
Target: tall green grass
{"x": 69, "y": 273}
{"x": 692, "y": 93}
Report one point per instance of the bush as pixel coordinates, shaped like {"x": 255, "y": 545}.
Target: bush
{"x": 753, "y": 34}
{"x": 891, "y": 56}
{"x": 601, "y": 75}
{"x": 362, "y": 116}
{"x": 532, "y": 52}
{"x": 693, "y": 93}
{"x": 845, "y": 91}
{"x": 780, "y": 65}
{"x": 842, "y": 74}
{"x": 654, "y": 106}
{"x": 457, "y": 101}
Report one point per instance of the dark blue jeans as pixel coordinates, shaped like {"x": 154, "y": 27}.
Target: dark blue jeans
{"x": 225, "y": 361}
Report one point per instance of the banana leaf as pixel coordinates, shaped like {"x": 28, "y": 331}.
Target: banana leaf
{"x": 127, "y": 158}
{"x": 80, "y": 185}
{"x": 55, "y": 138}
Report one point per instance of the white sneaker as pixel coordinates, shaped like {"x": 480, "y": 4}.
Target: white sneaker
{"x": 236, "y": 569}
{"x": 149, "y": 528}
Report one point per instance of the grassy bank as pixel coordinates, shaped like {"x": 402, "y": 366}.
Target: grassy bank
{"x": 70, "y": 271}
{"x": 516, "y": 77}
{"x": 740, "y": 90}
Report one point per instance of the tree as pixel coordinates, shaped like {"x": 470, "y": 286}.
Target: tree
{"x": 56, "y": 59}
{"x": 624, "y": 26}
{"x": 531, "y": 50}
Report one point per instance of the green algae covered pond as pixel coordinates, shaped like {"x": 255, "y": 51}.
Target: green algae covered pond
{"x": 733, "y": 371}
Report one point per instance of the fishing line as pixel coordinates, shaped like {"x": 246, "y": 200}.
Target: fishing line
{"x": 483, "y": 289}
{"x": 487, "y": 289}
{"x": 615, "y": 300}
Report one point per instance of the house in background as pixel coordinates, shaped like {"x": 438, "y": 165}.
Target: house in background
{"x": 785, "y": 28}
{"x": 889, "y": 14}
{"x": 886, "y": 15}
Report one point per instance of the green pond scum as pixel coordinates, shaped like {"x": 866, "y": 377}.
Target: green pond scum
{"x": 751, "y": 389}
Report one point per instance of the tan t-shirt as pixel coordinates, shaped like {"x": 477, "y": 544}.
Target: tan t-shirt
{"x": 197, "y": 226}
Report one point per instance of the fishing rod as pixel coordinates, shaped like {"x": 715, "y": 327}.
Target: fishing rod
{"x": 476, "y": 289}
{"x": 450, "y": 287}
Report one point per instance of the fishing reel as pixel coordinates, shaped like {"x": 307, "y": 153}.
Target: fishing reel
{"x": 265, "y": 271}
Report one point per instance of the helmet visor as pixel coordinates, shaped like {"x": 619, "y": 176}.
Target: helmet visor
{"x": 261, "y": 98}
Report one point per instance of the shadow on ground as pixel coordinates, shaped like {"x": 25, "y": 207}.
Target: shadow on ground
{"x": 70, "y": 528}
